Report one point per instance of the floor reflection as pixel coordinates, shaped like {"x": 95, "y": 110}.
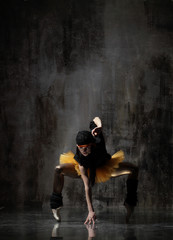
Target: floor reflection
{"x": 55, "y": 232}
{"x": 91, "y": 231}
{"x": 146, "y": 224}
{"x": 57, "y": 235}
{"x": 129, "y": 234}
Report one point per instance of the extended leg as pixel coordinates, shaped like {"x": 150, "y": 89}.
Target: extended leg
{"x": 132, "y": 184}
{"x": 56, "y": 198}
{"x": 61, "y": 171}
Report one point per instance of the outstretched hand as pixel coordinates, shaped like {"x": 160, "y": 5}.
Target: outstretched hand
{"x": 91, "y": 218}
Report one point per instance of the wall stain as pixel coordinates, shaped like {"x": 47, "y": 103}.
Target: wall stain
{"x": 161, "y": 63}
{"x": 153, "y": 137}
{"x": 159, "y": 14}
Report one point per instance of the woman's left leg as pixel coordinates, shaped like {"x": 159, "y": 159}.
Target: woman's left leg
{"x": 131, "y": 170}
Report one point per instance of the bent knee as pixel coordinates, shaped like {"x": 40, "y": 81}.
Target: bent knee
{"x": 135, "y": 172}
{"x": 136, "y": 169}
{"x": 58, "y": 169}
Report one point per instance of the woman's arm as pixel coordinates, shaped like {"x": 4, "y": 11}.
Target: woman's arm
{"x": 97, "y": 121}
{"x": 88, "y": 193}
{"x": 97, "y": 130}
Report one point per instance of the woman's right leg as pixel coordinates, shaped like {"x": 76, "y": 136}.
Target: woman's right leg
{"x": 56, "y": 202}
{"x": 62, "y": 170}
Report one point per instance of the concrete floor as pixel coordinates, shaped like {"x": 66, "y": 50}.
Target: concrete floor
{"x": 39, "y": 225}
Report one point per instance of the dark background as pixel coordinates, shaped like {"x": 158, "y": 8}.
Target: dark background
{"x": 63, "y": 62}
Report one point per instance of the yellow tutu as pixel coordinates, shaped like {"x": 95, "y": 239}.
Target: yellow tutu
{"x": 103, "y": 173}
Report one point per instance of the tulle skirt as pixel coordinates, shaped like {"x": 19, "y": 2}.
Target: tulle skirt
{"x": 103, "y": 173}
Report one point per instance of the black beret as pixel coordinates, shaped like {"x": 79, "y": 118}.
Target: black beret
{"x": 84, "y": 137}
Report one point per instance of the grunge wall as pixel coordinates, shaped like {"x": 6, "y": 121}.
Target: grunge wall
{"x": 64, "y": 62}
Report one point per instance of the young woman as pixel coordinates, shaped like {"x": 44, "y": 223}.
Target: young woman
{"x": 93, "y": 164}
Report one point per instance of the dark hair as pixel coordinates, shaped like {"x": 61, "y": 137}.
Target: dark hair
{"x": 84, "y": 137}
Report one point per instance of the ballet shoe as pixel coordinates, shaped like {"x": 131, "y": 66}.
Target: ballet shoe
{"x": 56, "y": 214}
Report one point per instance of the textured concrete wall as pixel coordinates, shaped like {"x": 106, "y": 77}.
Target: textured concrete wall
{"x": 64, "y": 62}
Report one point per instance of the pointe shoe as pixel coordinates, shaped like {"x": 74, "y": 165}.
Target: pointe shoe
{"x": 56, "y": 214}
{"x": 130, "y": 210}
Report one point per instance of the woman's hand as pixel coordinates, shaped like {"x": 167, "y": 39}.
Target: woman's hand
{"x": 97, "y": 121}
{"x": 96, "y": 131}
{"x": 91, "y": 218}
{"x": 88, "y": 192}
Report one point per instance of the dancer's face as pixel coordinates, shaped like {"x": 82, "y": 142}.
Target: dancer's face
{"x": 85, "y": 149}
